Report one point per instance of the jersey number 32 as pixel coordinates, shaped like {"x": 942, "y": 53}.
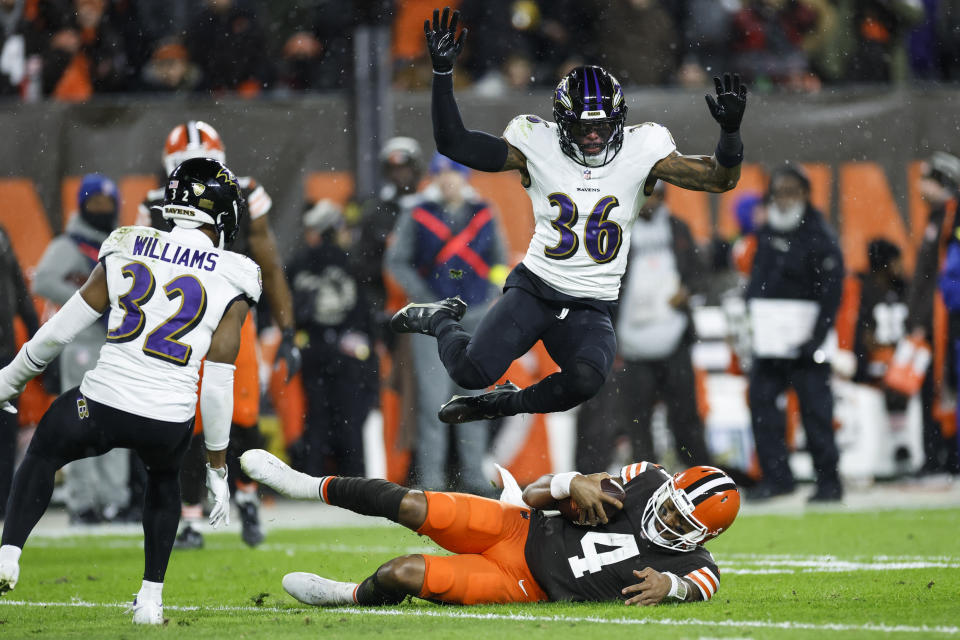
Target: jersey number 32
{"x": 162, "y": 342}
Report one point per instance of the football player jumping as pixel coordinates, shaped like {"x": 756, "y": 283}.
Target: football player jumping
{"x": 649, "y": 550}
{"x": 197, "y": 139}
{"x": 587, "y": 174}
{"x": 172, "y": 299}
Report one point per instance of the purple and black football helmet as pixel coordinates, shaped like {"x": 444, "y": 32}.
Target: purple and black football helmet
{"x": 590, "y": 99}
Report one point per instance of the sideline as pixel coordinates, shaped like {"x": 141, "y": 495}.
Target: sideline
{"x": 465, "y": 615}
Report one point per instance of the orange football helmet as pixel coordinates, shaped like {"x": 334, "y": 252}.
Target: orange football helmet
{"x": 706, "y": 500}
{"x": 193, "y": 139}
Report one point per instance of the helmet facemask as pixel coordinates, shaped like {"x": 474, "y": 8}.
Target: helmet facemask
{"x": 654, "y": 527}
{"x": 703, "y": 501}
{"x": 590, "y": 101}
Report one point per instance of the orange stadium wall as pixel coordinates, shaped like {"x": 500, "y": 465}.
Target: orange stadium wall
{"x": 866, "y": 208}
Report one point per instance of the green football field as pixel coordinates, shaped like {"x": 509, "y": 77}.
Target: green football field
{"x": 825, "y": 575}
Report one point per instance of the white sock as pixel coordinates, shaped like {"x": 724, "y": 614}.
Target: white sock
{"x": 247, "y": 494}
{"x": 150, "y": 592}
{"x": 10, "y": 554}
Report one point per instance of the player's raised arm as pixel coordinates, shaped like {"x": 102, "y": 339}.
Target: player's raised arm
{"x": 475, "y": 149}
{"x": 721, "y": 171}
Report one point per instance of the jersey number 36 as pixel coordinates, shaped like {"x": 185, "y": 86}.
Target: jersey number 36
{"x": 162, "y": 341}
{"x": 601, "y": 237}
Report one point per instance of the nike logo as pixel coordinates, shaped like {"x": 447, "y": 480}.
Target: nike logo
{"x": 523, "y": 589}
{"x": 563, "y": 313}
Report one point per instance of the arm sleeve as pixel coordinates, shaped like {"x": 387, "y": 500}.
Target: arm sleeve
{"x": 216, "y": 404}
{"x": 49, "y": 340}
{"x": 398, "y": 259}
{"x": 475, "y": 149}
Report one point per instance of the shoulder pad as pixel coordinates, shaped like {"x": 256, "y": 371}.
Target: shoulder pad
{"x": 631, "y": 471}
{"x": 121, "y": 238}
{"x": 244, "y": 274}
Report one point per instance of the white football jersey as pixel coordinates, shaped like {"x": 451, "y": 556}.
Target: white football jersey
{"x": 583, "y": 215}
{"x": 168, "y": 293}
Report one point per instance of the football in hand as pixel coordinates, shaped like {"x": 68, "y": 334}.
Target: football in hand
{"x": 568, "y": 507}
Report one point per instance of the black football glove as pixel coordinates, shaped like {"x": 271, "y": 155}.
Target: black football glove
{"x": 731, "y": 101}
{"x": 289, "y": 353}
{"x": 442, "y": 43}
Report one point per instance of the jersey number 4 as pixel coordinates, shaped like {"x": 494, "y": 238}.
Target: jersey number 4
{"x": 622, "y": 546}
{"x": 162, "y": 341}
{"x": 601, "y": 237}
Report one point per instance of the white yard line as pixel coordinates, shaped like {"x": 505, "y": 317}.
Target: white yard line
{"x": 467, "y": 615}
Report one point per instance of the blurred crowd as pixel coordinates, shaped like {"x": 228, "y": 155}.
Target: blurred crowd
{"x": 73, "y": 49}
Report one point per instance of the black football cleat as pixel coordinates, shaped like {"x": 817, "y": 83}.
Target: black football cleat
{"x": 250, "y": 529}
{"x": 416, "y": 316}
{"x": 462, "y": 409}
{"x": 189, "y": 538}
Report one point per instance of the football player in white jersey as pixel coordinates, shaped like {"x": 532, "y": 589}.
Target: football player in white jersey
{"x": 587, "y": 174}
{"x": 172, "y": 298}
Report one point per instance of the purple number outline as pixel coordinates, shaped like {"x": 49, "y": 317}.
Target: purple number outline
{"x": 130, "y": 302}
{"x": 599, "y": 228}
{"x": 162, "y": 342}
{"x": 563, "y": 223}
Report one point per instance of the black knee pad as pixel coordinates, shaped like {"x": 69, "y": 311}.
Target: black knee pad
{"x": 585, "y": 382}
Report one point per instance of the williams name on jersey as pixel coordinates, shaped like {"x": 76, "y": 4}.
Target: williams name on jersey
{"x": 168, "y": 293}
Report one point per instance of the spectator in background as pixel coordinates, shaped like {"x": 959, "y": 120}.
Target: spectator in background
{"x": 227, "y": 42}
{"x": 704, "y": 26}
{"x": 939, "y": 188}
{"x": 767, "y": 38}
{"x": 339, "y": 371}
{"x": 880, "y": 29}
{"x": 795, "y": 287}
{"x": 654, "y": 335}
{"x": 640, "y": 42}
{"x": 401, "y": 169}
{"x": 882, "y": 315}
{"x": 14, "y": 301}
{"x": 13, "y": 47}
{"x": 446, "y": 245}
{"x": 85, "y": 54}
{"x": 169, "y": 69}
{"x": 97, "y": 487}
{"x": 314, "y": 43}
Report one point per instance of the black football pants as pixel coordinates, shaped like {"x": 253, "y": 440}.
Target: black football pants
{"x": 769, "y": 378}
{"x": 581, "y": 341}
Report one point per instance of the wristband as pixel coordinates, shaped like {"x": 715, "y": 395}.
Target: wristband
{"x": 220, "y": 471}
{"x": 729, "y": 151}
{"x": 560, "y": 484}
{"x": 678, "y": 588}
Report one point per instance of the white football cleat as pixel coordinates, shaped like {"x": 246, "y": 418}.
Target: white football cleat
{"x": 9, "y": 569}
{"x": 147, "y": 612}
{"x": 268, "y": 469}
{"x": 9, "y": 573}
{"x": 320, "y": 592}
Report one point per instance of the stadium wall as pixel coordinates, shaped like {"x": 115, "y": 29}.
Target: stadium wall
{"x": 860, "y": 145}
